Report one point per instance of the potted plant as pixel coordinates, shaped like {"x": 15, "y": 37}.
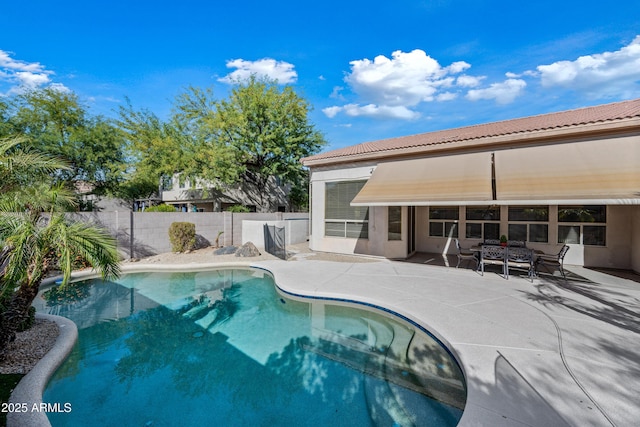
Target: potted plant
{"x": 503, "y": 240}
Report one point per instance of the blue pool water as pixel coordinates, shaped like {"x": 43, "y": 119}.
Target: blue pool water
{"x": 226, "y": 348}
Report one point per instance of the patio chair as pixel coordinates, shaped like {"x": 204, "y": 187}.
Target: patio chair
{"x": 465, "y": 254}
{"x": 521, "y": 258}
{"x": 554, "y": 261}
{"x": 516, "y": 243}
{"x": 494, "y": 255}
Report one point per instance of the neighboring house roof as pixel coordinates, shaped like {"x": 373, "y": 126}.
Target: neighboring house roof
{"x": 619, "y": 116}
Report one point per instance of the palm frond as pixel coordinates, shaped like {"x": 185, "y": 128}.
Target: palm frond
{"x": 87, "y": 241}
{"x": 6, "y": 144}
{"x": 19, "y": 165}
{"x": 23, "y": 236}
{"x": 39, "y": 197}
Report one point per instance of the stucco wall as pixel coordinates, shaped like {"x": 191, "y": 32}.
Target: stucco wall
{"x": 296, "y": 231}
{"x": 374, "y": 245}
{"x": 635, "y": 238}
{"x": 622, "y": 238}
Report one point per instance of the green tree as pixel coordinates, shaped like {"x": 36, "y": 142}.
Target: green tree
{"x": 156, "y": 149}
{"x": 206, "y": 156}
{"x": 261, "y": 131}
{"x": 5, "y": 127}
{"x": 58, "y": 124}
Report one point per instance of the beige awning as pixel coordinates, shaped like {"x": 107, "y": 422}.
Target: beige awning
{"x": 451, "y": 180}
{"x": 603, "y": 171}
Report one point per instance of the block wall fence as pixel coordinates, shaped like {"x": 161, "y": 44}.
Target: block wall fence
{"x": 142, "y": 234}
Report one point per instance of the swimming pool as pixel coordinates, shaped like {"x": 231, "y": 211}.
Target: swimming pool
{"x": 226, "y": 347}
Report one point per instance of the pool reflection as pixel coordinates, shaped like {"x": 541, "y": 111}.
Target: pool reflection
{"x": 227, "y": 340}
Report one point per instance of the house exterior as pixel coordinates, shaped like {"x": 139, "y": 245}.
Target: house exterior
{"x": 203, "y": 196}
{"x": 569, "y": 177}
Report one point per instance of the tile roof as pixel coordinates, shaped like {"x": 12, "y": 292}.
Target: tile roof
{"x": 427, "y": 141}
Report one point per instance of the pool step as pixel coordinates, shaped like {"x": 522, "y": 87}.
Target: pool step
{"x": 383, "y": 406}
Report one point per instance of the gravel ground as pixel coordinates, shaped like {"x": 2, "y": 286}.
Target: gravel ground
{"x": 295, "y": 253}
{"x": 30, "y": 346}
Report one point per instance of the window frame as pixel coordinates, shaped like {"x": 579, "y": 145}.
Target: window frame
{"x": 517, "y": 217}
{"x": 341, "y": 212}
{"x": 581, "y": 223}
{"x": 445, "y": 221}
{"x": 471, "y": 219}
{"x": 394, "y": 223}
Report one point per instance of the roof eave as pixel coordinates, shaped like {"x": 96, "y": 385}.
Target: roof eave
{"x": 497, "y": 141}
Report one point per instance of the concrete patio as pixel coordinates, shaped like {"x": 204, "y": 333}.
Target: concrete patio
{"x": 553, "y": 352}
{"x": 549, "y": 353}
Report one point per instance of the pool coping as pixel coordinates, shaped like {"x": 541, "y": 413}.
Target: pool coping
{"x": 31, "y": 387}
{"x": 476, "y": 356}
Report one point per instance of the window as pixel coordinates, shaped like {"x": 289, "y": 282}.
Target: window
{"x": 483, "y": 222}
{"x": 519, "y": 227}
{"x": 443, "y": 221}
{"x": 539, "y": 233}
{"x": 573, "y": 228}
{"x": 166, "y": 182}
{"x": 582, "y": 213}
{"x": 394, "y": 223}
{"x": 342, "y": 219}
{"x": 529, "y": 213}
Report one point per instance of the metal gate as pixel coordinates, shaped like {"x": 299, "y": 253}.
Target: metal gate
{"x": 274, "y": 241}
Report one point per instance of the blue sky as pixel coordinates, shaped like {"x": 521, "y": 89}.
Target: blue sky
{"x": 370, "y": 69}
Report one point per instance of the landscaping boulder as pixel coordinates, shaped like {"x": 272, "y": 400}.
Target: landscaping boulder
{"x": 227, "y": 250}
{"x": 248, "y": 250}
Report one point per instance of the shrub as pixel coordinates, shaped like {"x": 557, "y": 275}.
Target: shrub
{"x": 182, "y": 236}
{"x": 238, "y": 209}
{"x": 161, "y": 208}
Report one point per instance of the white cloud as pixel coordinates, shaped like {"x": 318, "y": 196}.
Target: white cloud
{"x": 503, "y": 93}
{"x": 404, "y": 80}
{"x": 447, "y": 96}
{"x": 62, "y": 88}
{"x": 11, "y": 64}
{"x": 392, "y": 87}
{"x": 32, "y": 80}
{"x": 458, "y": 67}
{"x": 469, "y": 81}
{"x": 335, "y": 93}
{"x": 372, "y": 110}
{"x": 331, "y": 112}
{"x": 21, "y": 75}
{"x": 281, "y": 71}
{"x": 607, "y": 73}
